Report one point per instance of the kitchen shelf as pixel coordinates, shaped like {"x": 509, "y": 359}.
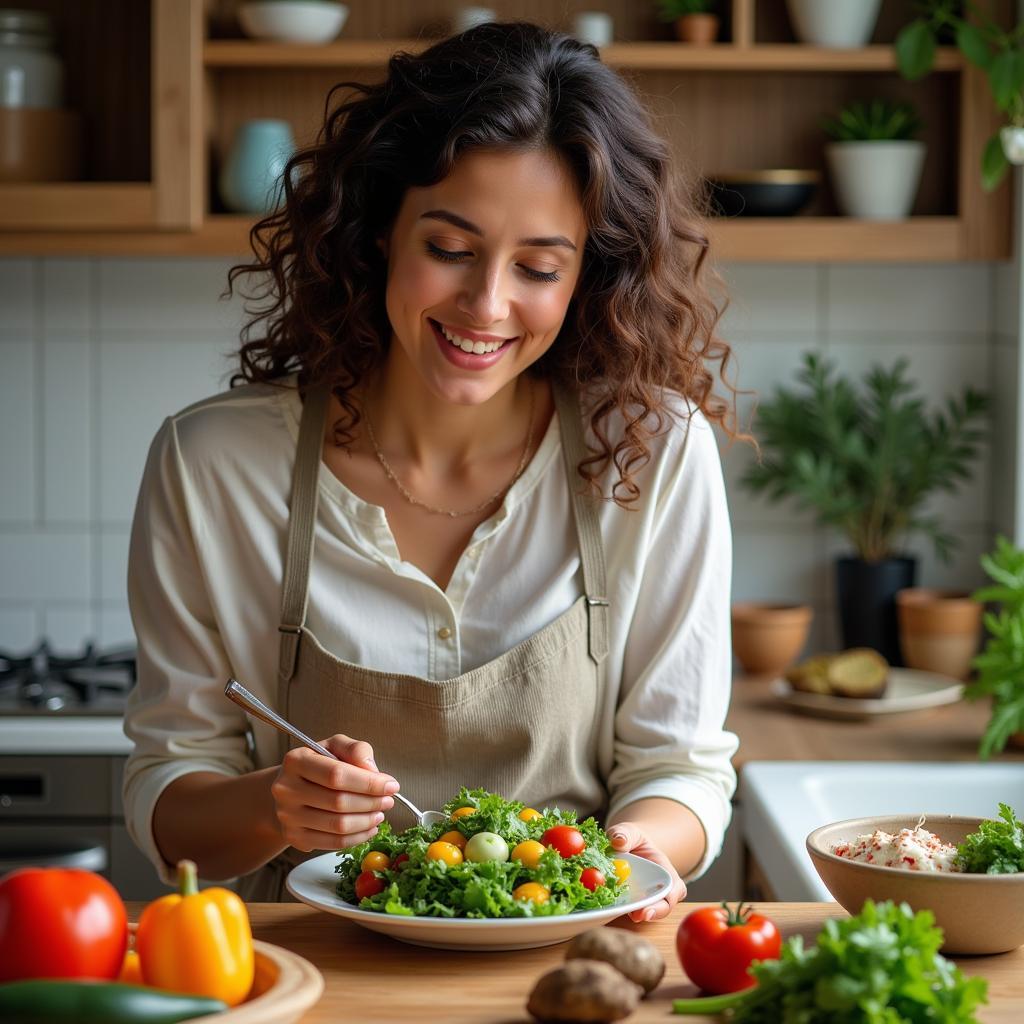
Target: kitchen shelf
{"x": 655, "y": 56}
{"x": 748, "y": 239}
{"x": 171, "y": 82}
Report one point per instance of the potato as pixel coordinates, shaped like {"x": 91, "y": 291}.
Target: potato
{"x": 811, "y": 676}
{"x": 583, "y": 990}
{"x": 858, "y": 672}
{"x": 634, "y": 956}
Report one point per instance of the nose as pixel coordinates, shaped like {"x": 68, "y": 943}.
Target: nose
{"x": 483, "y": 297}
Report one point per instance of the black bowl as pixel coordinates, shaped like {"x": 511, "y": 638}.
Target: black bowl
{"x": 780, "y": 193}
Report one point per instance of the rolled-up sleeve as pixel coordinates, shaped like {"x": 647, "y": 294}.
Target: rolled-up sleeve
{"x": 670, "y": 739}
{"x": 177, "y": 716}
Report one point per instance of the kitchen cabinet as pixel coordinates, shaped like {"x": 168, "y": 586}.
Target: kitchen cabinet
{"x": 753, "y": 100}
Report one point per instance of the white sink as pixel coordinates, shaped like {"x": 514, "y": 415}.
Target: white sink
{"x": 784, "y": 800}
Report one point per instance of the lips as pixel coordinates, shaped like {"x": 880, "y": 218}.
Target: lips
{"x": 469, "y": 360}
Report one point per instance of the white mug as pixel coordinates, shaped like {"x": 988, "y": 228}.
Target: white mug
{"x": 593, "y": 27}
{"x": 470, "y": 17}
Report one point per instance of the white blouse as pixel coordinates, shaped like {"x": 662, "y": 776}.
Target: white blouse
{"x": 205, "y": 576}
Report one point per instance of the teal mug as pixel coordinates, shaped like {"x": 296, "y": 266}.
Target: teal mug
{"x": 251, "y": 180}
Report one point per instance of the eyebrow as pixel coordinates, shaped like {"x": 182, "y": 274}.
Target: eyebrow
{"x": 461, "y": 222}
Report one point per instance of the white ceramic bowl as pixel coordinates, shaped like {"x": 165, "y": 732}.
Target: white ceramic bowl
{"x": 293, "y": 21}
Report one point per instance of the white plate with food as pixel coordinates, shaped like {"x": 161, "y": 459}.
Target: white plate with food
{"x": 906, "y": 690}
{"x": 315, "y": 881}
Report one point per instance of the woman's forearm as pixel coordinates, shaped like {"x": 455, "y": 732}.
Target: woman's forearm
{"x": 225, "y": 823}
{"x": 670, "y": 826}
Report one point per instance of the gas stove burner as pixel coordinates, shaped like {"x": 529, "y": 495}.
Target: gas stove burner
{"x": 42, "y": 682}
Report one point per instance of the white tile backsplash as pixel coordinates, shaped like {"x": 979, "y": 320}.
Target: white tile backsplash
{"x": 18, "y": 420}
{"x": 937, "y": 297}
{"x": 17, "y": 294}
{"x": 67, "y": 465}
{"x": 96, "y": 352}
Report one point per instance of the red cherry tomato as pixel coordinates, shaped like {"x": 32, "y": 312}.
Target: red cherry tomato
{"x": 60, "y": 923}
{"x": 716, "y": 945}
{"x": 568, "y": 841}
{"x": 368, "y": 884}
{"x": 399, "y": 862}
{"x": 591, "y": 878}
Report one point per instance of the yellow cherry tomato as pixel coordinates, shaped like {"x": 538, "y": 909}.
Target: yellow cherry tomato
{"x": 528, "y": 814}
{"x": 448, "y": 852}
{"x": 532, "y": 891}
{"x": 462, "y": 812}
{"x": 622, "y": 869}
{"x": 375, "y": 861}
{"x": 455, "y": 838}
{"x": 528, "y": 853}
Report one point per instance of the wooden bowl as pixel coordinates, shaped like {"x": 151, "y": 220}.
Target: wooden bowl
{"x": 977, "y": 913}
{"x": 285, "y": 986}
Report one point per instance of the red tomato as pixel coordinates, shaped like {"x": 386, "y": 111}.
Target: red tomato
{"x": 567, "y": 840}
{"x": 591, "y": 878}
{"x": 716, "y": 945}
{"x": 399, "y": 861}
{"x": 368, "y": 884}
{"x": 60, "y": 923}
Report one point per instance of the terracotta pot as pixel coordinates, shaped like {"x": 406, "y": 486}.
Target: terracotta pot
{"x": 768, "y": 638}
{"x": 698, "y": 29}
{"x": 940, "y": 630}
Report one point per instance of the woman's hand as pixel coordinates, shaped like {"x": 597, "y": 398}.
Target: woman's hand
{"x": 323, "y": 804}
{"x": 627, "y": 837}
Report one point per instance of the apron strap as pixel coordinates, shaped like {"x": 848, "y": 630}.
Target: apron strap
{"x": 588, "y": 530}
{"x": 301, "y": 523}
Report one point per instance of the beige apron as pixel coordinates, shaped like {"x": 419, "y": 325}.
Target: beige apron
{"x": 523, "y": 725}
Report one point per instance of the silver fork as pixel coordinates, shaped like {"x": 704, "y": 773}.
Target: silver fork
{"x": 243, "y": 698}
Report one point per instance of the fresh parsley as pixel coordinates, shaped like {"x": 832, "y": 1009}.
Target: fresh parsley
{"x": 997, "y": 848}
{"x": 880, "y": 967}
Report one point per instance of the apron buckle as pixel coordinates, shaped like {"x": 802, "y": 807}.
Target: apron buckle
{"x": 597, "y": 602}
{"x": 285, "y": 628}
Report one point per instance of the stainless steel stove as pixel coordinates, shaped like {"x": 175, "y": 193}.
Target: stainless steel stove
{"x": 90, "y": 682}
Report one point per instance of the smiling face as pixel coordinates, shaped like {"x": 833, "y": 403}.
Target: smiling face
{"x": 481, "y": 269}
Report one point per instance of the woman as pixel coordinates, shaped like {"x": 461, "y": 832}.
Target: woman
{"x": 466, "y": 514}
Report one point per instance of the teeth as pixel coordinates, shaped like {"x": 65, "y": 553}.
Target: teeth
{"x": 477, "y": 348}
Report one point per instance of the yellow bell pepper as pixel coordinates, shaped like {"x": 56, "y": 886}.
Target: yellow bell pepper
{"x": 131, "y": 969}
{"x": 197, "y": 942}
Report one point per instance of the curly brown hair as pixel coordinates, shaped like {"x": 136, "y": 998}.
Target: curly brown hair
{"x": 643, "y": 317}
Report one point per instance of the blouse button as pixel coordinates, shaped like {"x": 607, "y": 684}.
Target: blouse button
{"x": 444, "y": 633}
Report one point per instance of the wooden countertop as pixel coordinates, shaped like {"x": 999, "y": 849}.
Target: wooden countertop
{"x": 770, "y": 731}
{"x": 370, "y": 977}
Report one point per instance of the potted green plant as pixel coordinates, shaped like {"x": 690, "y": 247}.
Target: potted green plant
{"x": 1000, "y": 666}
{"x": 874, "y": 158}
{"x": 864, "y": 460}
{"x": 693, "y": 20}
{"x": 998, "y": 51}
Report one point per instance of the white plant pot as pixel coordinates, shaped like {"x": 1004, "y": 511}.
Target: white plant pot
{"x": 1012, "y": 138}
{"x": 876, "y": 180}
{"x": 841, "y": 24}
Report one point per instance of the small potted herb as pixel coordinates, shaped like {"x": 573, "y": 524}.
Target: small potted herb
{"x": 1000, "y": 666}
{"x": 693, "y": 20}
{"x": 998, "y": 51}
{"x": 874, "y": 158}
{"x": 865, "y": 460}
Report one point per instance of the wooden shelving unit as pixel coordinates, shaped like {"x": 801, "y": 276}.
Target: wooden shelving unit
{"x": 753, "y": 100}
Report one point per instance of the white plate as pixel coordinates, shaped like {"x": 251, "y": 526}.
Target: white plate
{"x": 908, "y": 690}
{"x": 314, "y": 882}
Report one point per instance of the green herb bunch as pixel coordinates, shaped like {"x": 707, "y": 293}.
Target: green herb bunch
{"x": 1000, "y": 666}
{"x": 877, "y": 120}
{"x": 997, "y": 848}
{"x": 880, "y": 967}
{"x": 865, "y": 459}
{"x": 997, "y": 51}
{"x": 669, "y": 10}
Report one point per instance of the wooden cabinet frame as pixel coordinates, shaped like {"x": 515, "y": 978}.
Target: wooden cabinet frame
{"x": 194, "y": 78}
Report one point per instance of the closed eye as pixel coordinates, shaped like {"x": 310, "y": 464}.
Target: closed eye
{"x": 457, "y": 256}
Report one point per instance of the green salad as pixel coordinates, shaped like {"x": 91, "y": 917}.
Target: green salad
{"x": 490, "y": 857}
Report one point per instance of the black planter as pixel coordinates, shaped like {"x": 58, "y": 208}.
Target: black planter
{"x": 867, "y": 602}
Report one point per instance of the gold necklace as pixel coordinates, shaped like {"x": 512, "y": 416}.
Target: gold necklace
{"x": 454, "y": 514}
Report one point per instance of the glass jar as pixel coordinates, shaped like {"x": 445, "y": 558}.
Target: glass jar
{"x": 31, "y": 73}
